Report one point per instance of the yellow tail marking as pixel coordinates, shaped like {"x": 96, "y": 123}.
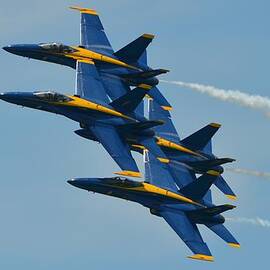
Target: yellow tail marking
{"x": 150, "y": 36}
{"x": 129, "y": 173}
{"x": 147, "y": 96}
{"x": 234, "y": 245}
{"x": 84, "y": 10}
{"x": 138, "y": 146}
{"x": 216, "y": 125}
{"x": 231, "y": 197}
{"x": 202, "y": 257}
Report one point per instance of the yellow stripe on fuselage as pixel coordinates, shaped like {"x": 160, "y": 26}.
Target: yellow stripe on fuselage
{"x": 81, "y": 54}
{"x": 77, "y": 102}
{"x": 149, "y": 188}
{"x": 172, "y": 145}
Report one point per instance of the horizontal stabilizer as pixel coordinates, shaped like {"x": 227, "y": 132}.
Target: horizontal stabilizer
{"x": 199, "y": 139}
{"x": 210, "y": 163}
{"x": 140, "y": 126}
{"x": 145, "y": 74}
{"x": 224, "y": 234}
{"x": 210, "y": 211}
{"x": 131, "y": 100}
{"x": 196, "y": 190}
{"x": 223, "y": 186}
{"x": 132, "y": 52}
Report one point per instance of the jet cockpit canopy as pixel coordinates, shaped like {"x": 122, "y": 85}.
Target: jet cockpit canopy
{"x": 52, "y": 96}
{"x": 121, "y": 182}
{"x": 57, "y": 47}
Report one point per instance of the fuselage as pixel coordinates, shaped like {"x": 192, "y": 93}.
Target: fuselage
{"x": 69, "y": 55}
{"x": 73, "y": 107}
{"x": 155, "y": 198}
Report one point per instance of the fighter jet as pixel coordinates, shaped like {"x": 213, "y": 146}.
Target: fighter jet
{"x": 191, "y": 155}
{"x": 117, "y": 70}
{"x": 91, "y": 107}
{"x": 182, "y": 208}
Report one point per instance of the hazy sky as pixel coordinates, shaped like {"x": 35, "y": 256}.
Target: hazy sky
{"x": 48, "y": 224}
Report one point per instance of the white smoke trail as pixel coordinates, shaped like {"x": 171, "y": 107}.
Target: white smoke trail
{"x": 249, "y": 172}
{"x": 234, "y": 96}
{"x": 253, "y": 221}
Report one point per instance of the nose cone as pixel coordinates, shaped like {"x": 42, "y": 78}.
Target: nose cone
{"x": 16, "y": 97}
{"x": 22, "y": 49}
{"x": 7, "y": 96}
{"x": 83, "y": 183}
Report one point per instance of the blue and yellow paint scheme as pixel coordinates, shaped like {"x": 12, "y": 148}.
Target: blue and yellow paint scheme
{"x": 118, "y": 70}
{"x": 175, "y": 153}
{"x": 193, "y": 154}
{"x": 182, "y": 208}
{"x": 102, "y": 119}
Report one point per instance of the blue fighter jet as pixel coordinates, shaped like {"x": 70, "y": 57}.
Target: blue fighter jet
{"x": 117, "y": 70}
{"x": 182, "y": 208}
{"x": 91, "y": 107}
{"x": 190, "y": 156}
{"x": 196, "y": 155}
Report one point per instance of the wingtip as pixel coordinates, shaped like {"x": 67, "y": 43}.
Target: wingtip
{"x": 234, "y": 245}
{"x": 202, "y": 257}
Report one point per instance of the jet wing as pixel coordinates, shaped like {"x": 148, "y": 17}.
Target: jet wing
{"x": 117, "y": 148}
{"x": 93, "y": 36}
{"x": 88, "y": 83}
{"x": 189, "y": 233}
{"x": 157, "y": 173}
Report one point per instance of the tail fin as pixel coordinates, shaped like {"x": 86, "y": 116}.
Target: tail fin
{"x": 201, "y": 138}
{"x": 208, "y": 149}
{"x": 143, "y": 58}
{"x": 224, "y": 234}
{"x": 135, "y": 51}
{"x": 198, "y": 189}
{"x": 131, "y": 100}
{"x": 168, "y": 130}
